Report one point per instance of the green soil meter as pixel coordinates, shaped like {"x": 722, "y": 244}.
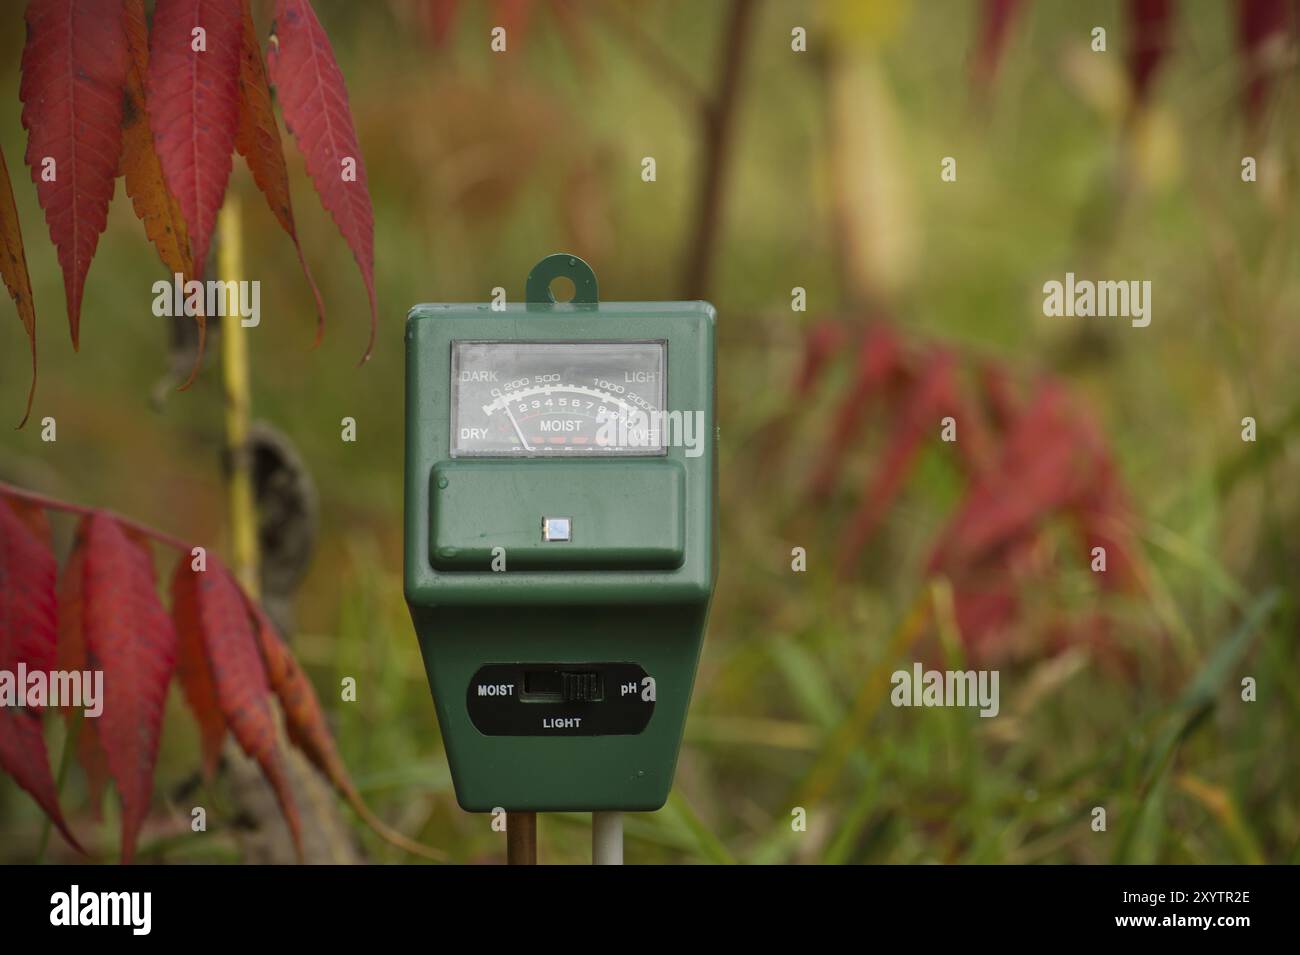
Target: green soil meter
{"x": 560, "y": 538}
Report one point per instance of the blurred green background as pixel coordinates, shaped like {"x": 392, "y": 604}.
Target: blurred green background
{"x": 479, "y": 164}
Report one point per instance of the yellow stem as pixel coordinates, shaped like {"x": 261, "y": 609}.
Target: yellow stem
{"x": 243, "y": 513}
{"x": 234, "y": 378}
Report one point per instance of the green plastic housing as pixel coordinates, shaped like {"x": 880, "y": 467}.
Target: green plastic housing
{"x": 634, "y": 586}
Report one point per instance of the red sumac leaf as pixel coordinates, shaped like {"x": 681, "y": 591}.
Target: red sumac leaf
{"x": 1258, "y": 22}
{"x": 192, "y": 667}
{"x": 440, "y": 17}
{"x": 307, "y": 729}
{"x": 879, "y": 362}
{"x": 28, "y": 636}
{"x": 34, "y": 516}
{"x": 1152, "y": 24}
{"x": 514, "y": 16}
{"x": 314, "y": 101}
{"x": 821, "y": 343}
{"x": 24, "y": 757}
{"x": 71, "y": 600}
{"x": 73, "y": 72}
{"x": 999, "y": 395}
{"x": 239, "y": 678}
{"x": 130, "y": 638}
{"x": 72, "y": 657}
{"x": 94, "y": 763}
{"x": 1043, "y": 466}
{"x": 1105, "y": 520}
{"x": 982, "y": 613}
{"x": 155, "y": 205}
{"x": 258, "y": 141}
{"x": 303, "y": 717}
{"x": 13, "y": 269}
{"x": 193, "y": 101}
{"x": 994, "y": 26}
{"x": 932, "y": 396}
{"x": 28, "y": 631}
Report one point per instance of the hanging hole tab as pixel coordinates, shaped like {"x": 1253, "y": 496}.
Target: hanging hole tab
{"x": 550, "y": 278}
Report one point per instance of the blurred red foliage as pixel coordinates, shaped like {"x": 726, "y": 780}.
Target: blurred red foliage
{"x": 1029, "y": 462}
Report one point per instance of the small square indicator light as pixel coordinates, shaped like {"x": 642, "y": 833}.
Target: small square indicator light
{"x": 556, "y": 529}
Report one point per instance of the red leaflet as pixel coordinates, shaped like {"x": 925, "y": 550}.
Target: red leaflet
{"x": 71, "y": 596}
{"x": 258, "y": 141}
{"x": 996, "y": 24}
{"x": 34, "y": 516}
{"x": 1258, "y": 22}
{"x": 932, "y": 397}
{"x": 984, "y": 613}
{"x": 1025, "y": 464}
{"x": 130, "y": 638}
{"x": 192, "y": 668}
{"x": 440, "y": 16}
{"x": 1152, "y": 22}
{"x": 193, "y": 99}
{"x": 28, "y": 636}
{"x": 73, "y": 72}
{"x": 304, "y": 720}
{"x": 239, "y": 679}
{"x": 879, "y": 363}
{"x": 514, "y": 16}
{"x": 308, "y": 731}
{"x": 1104, "y": 521}
{"x": 110, "y": 619}
{"x": 23, "y": 756}
{"x": 28, "y": 633}
{"x": 820, "y": 345}
{"x": 314, "y": 100}
{"x": 13, "y": 269}
{"x": 1042, "y": 467}
{"x": 72, "y": 656}
{"x": 999, "y": 395}
{"x": 154, "y": 204}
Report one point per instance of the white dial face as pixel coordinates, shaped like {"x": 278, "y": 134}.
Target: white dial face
{"x": 524, "y": 399}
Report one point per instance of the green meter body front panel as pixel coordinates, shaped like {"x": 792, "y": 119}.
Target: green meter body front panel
{"x": 560, "y": 538}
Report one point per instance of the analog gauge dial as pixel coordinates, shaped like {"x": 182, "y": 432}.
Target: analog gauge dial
{"x": 527, "y": 399}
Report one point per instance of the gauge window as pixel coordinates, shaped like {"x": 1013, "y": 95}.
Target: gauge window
{"x": 532, "y": 399}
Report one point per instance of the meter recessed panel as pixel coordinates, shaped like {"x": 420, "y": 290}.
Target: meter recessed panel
{"x": 557, "y": 399}
{"x": 560, "y": 699}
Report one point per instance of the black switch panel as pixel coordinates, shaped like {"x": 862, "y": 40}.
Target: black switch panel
{"x": 560, "y": 699}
